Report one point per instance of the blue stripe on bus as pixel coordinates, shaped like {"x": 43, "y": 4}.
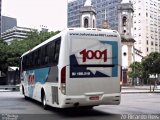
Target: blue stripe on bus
{"x": 114, "y": 56}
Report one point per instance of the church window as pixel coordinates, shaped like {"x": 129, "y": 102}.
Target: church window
{"x": 86, "y": 23}
{"x": 93, "y": 24}
{"x": 124, "y": 21}
{"x": 124, "y": 53}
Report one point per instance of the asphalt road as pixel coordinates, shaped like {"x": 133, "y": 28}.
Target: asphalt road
{"x": 133, "y": 106}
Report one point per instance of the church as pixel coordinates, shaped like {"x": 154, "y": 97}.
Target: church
{"x": 125, "y": 28}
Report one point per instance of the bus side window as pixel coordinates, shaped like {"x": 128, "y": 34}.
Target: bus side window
{"x": 42, "y": 56}
{"x": 30, "y": 61}
{"x": 57, "y": 49}
{"x": 51, "y": 52}
{"x": 23, "y": 63}
{"x": 46, "y": 59}
{"x": 33, "y": 59}
{"x": 38, "y": 57}
{"x": 27, "y": 62}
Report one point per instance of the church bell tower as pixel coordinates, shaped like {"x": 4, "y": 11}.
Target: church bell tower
{"x": 125, "y": 17}
{"x": 88, "y": 15}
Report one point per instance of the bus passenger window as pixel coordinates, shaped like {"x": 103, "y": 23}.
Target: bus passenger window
{"x": 57, "y": 49}
{"x": 51, "y": 52}
{"x": 38, "y": 57}
{"x": 24, "y": 63}
{"x": 46, "y": 55}
{"x": 33, "y": 59}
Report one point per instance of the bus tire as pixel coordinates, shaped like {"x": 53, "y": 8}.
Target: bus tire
{"x": 45, "y": 106}
{"x": 87, "y": 107}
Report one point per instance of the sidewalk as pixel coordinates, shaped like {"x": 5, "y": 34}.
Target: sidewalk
{"x": 2, "y": 90}
{"x": 139, "y": 89}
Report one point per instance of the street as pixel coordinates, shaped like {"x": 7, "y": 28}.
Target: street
{"x": 13, "y": 104}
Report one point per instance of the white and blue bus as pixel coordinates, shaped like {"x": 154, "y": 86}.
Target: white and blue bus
{"x": 77, "y": 67}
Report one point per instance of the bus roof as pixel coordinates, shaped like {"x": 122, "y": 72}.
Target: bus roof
{"x": 65, "y": 31}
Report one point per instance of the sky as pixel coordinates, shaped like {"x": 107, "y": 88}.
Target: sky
{"x": 33, "y": 13}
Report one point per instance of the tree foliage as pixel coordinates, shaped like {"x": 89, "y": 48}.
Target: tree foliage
{"x": 136, "y": 70}
{"x": 151, "y": 63}
{"x": 3, "y": 56}
{"x": 149, "y": 66}
{"x": 10, "y": 54}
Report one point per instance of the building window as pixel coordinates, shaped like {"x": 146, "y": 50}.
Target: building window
{"x": 147, "y": 42}
{"x": 86, "y": 22}
{"x": 151, "y": 42}
{"x": 147, "y": 49}
{"x": 124, "y": 21}
{"x": 124, "y": 53}
{"x": 93, "y": 24}
{"x": 146, "y": 14}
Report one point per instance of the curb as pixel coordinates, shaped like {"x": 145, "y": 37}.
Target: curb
{"x": 9, "y": 90}
{"x": 137, "y": 92}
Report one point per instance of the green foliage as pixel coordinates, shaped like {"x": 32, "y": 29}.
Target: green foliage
{"x": 149, "y": 66}
{"x": 10, "y": 54}
{"x": 151, "y": 63}
{"x": 3, "y": 56}
{"x": 136, "y": 70}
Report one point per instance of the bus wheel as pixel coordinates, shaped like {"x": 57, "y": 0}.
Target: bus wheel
{"x": 87, "y": 107}
{"x": 44, "y": 102}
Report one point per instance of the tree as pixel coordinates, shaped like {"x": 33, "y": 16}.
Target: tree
{"x": 136, "y": 70}
{"x": 151, "y": 65}
{"x": 3, "y": 56}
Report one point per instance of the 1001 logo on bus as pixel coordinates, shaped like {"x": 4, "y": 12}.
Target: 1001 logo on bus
{"x": 97, "y": 54}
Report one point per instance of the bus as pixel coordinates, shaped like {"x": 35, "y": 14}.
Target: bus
{"x": 77, "y": 67}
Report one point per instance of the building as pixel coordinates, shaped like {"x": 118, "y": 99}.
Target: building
{"x": 125, "y": 17}
{"x": 15, "y": 33}
{"x": 8, "y": 23}
{"x": 146, "y": 22}
{"x": 104, "y": 8}
{"x": 87, "y": 15}
{"x": 125, "y": 27}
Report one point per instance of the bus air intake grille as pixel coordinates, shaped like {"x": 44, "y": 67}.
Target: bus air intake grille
{"x": 55, "y": 95}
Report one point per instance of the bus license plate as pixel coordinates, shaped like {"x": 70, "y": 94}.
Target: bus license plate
{"x": 94, "y": 98}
